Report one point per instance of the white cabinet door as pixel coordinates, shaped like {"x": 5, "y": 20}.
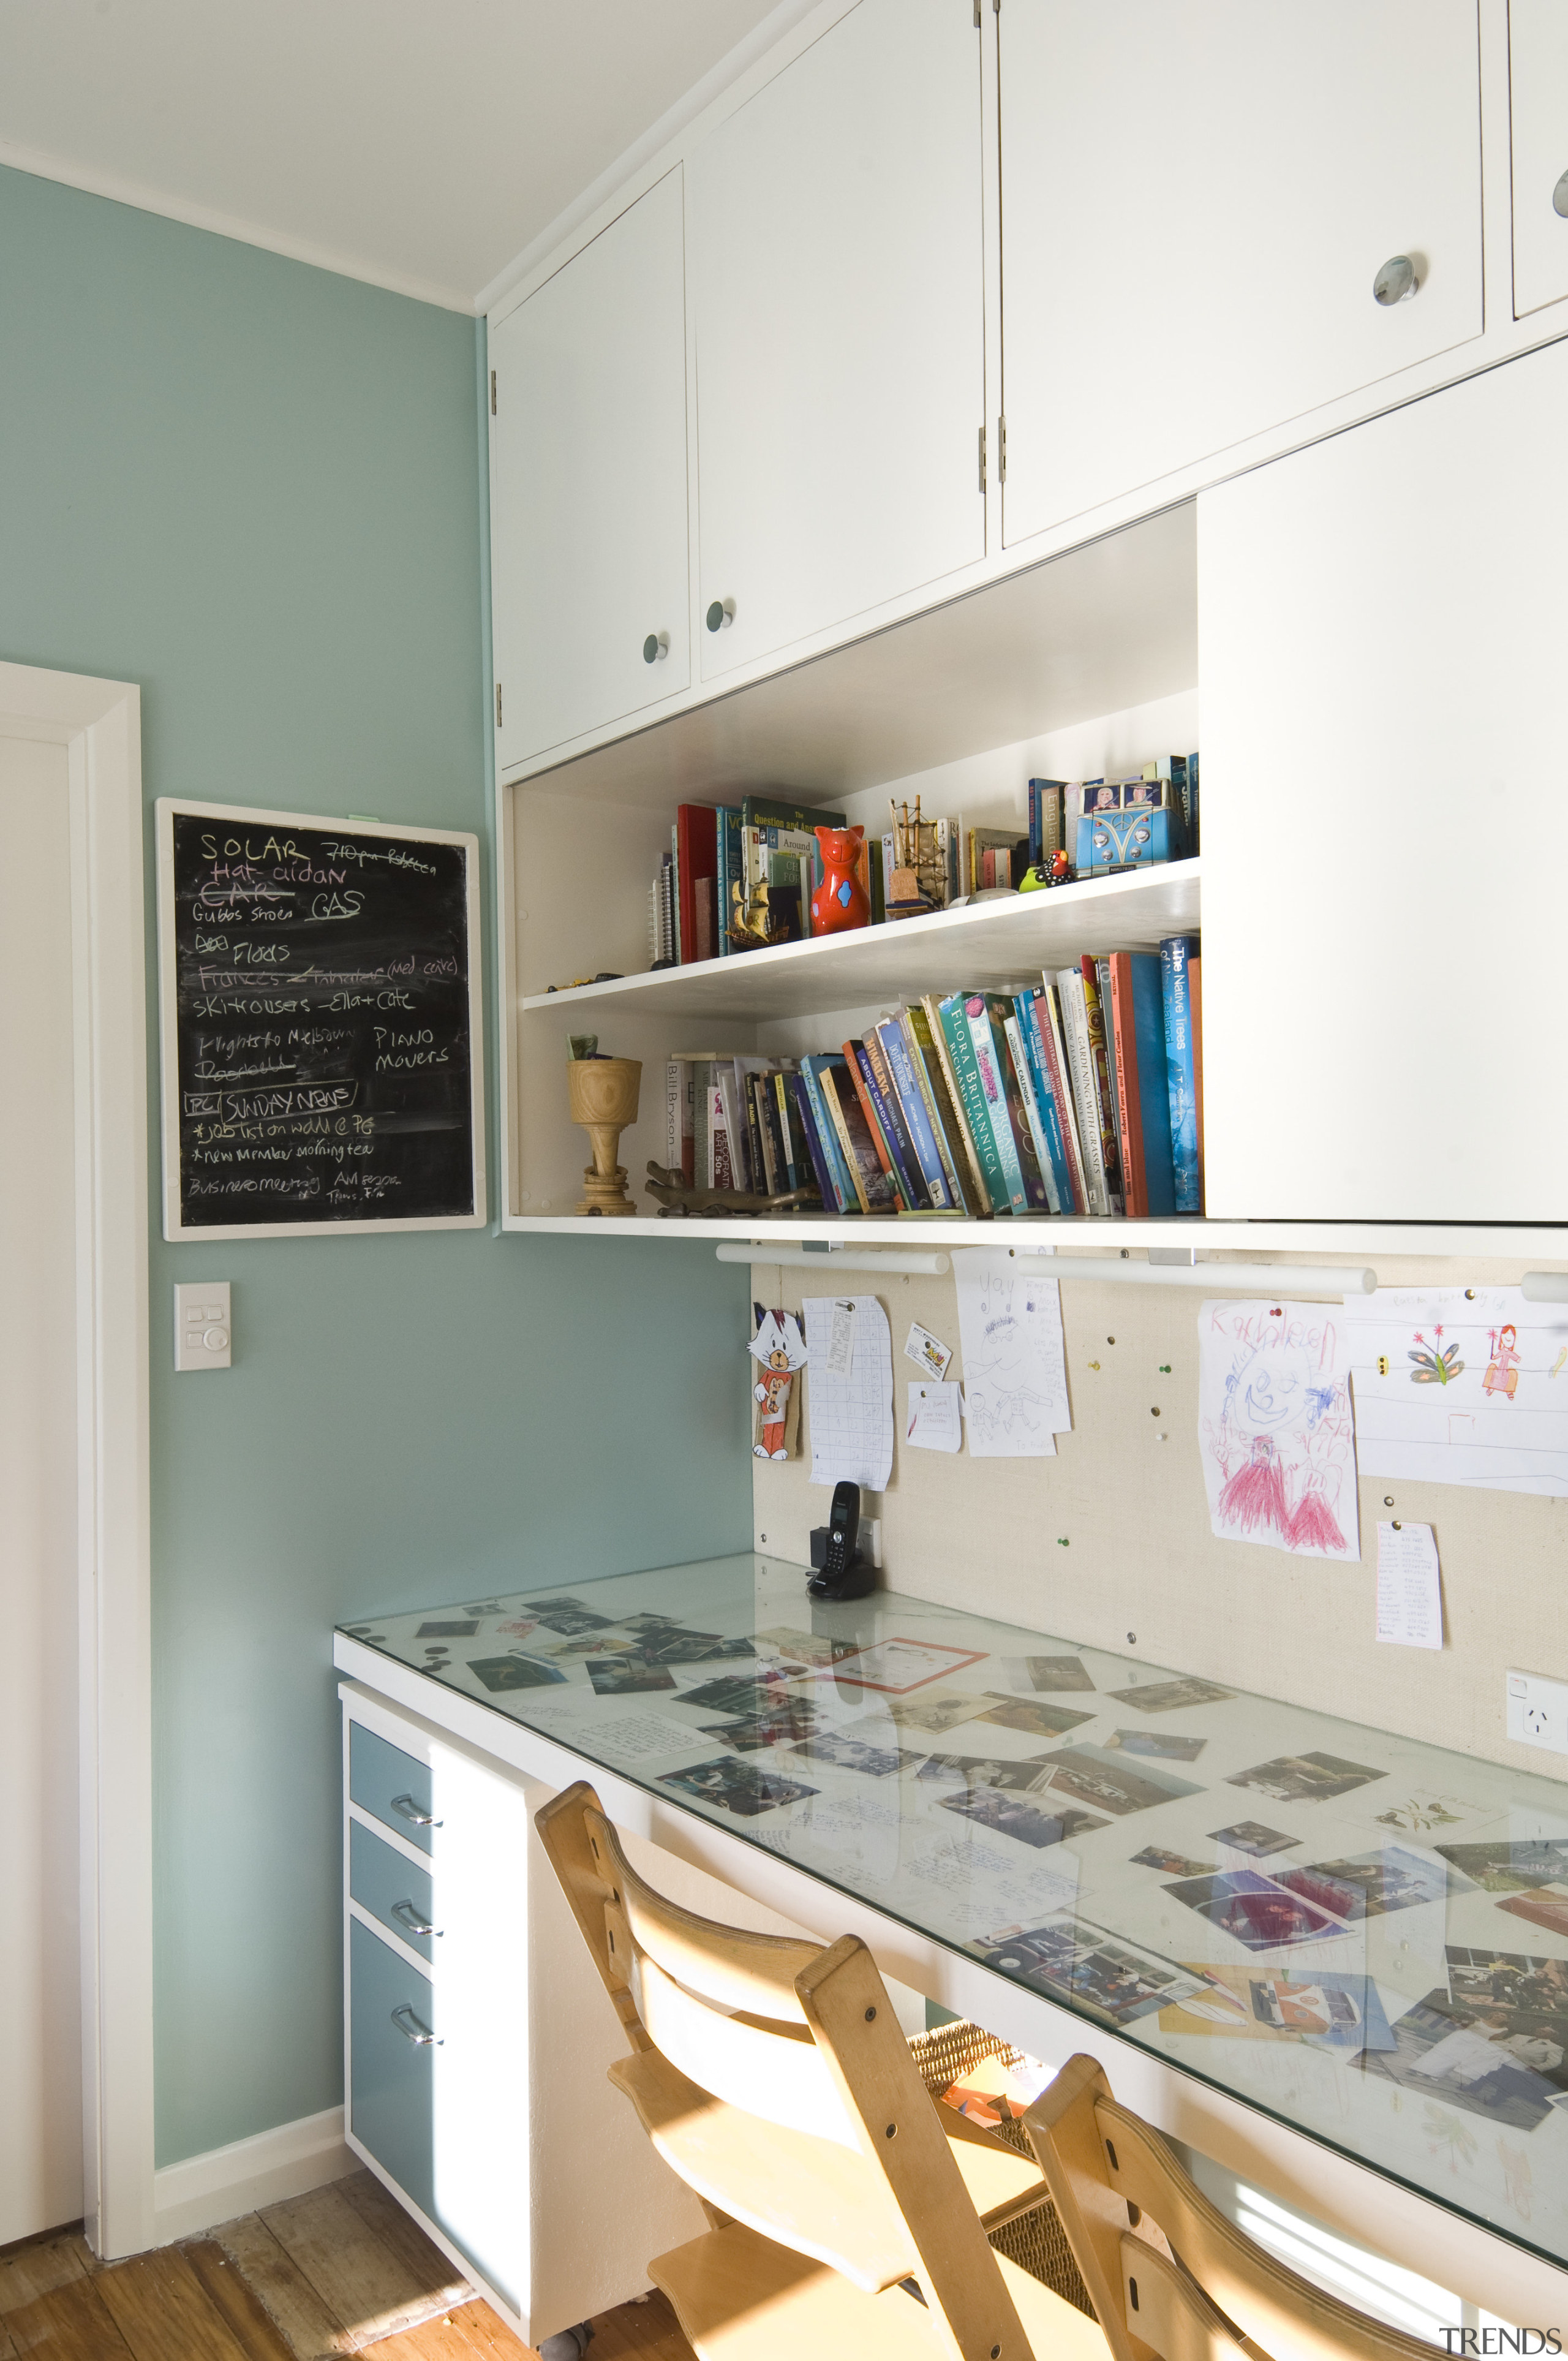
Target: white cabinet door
{"x": 1196, "y": 201}
{"x": 1385, "y": 830}
{"x": 839, "y": 300}
{"x": 588, "y": 485}
{"x": 1537, "y": 96}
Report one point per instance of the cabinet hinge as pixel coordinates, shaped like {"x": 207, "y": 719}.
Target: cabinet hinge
{"x": 497, "y": 705}
{"x": 983, "y": 458}
{"x": 1002, "y": 450}
{"x": 492, "y": 393}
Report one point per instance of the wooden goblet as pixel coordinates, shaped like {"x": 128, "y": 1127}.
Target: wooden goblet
{"x": 604, "y": 1100}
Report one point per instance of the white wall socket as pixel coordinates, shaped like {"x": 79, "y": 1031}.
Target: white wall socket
{"x": 1538, "y": 1711}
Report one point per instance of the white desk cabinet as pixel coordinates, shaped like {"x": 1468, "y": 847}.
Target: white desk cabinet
{"x": 1196, "y": 201}
{"x": 1385, "y": 831}
{"x": 477, "y": 2034}
{"x": 1538, "y": 103}
{"x": 836, "y": 287}
{"x": 588, "y": 485}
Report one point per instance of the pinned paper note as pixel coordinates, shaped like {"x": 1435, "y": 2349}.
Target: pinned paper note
{"x": 926, "y": 1352}
{"x": 1460, "y": 1385}
{"x": 1015, "y": 1371}
{"x": 841, "y": 1338}
{"x": 1274, "y": 1429}
{"x": 1409, "y": 1588}
{"x": 851, "y": 1409}
{"x": 935, "y": 1423}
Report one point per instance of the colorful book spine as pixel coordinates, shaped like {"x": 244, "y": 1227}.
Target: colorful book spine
{"x": 989, "y": 1053}
{"x": 828, "y": 1082}
{"x": 846, "y": 1196}
{"x": 972, "y": 1099}
{"x": 910, "y": 1105}
{"x": 883, "y": 1114}
{"x": 928, "y": 1052}
{"x": 797, "y": 1163}
{"x": 1195, "y": 994}
{"x": 754, "y": 1130}
{"x": 1046, "y": 798}
{"x": 1037, "y": 1196}
{"x": 1045, "y": 1100}
{"x": 806, "y": 1114}
{"x": 1104, "y": 1082}
{"x": 1025, "y": 1083}
{"x": 1053, "y": 1057}
{"x": 1175, "y": 955}
{"x": 873, "y": 1183}
{"x": 1085, "y": 1098}
{"x": 1143, "y": 1089}
{"x": 860, "y": 1073}
{"x": 721, "y": 1141}
{"x": 674, "y": 1086}
{"x": 767, "y": 1125}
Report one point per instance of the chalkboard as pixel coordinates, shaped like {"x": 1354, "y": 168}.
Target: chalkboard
{"x": 323, "y": 1066}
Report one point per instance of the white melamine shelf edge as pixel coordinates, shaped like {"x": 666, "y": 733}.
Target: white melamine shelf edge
{"x": 1039, "y": 1233}
{"x": 997, "y": 941}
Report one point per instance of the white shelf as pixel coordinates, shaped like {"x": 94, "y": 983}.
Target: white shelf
{"x": 987, "y": 946}
{"x": 1039, "y": 1233}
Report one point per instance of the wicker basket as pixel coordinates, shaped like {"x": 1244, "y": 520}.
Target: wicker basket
{"x": 1035, "y": 2241}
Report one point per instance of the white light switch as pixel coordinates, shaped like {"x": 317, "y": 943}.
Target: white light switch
{"x": 1538, "y": 1711}
{"x": 201, "y": 1325}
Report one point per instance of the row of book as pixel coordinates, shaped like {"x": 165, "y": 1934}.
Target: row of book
{"x": 703, "y": 902}
{"x": 1081, "y": 1094}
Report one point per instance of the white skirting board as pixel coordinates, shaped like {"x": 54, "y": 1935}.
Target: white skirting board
{"x": 263, "y": 2171}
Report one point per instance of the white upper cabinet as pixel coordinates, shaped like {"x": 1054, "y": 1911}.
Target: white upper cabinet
{"x": 1385, "y": 831}
{"x": 1538, "y": 93}
{"x": 838, "y": 294}
{"x": 1197, "y": 200}
{"x": 589, "y": 486}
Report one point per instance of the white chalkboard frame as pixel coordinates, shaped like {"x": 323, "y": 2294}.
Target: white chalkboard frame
{"x": 166, "y": 810}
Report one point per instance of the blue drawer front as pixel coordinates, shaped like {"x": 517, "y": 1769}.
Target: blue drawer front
{"x": 389, "y": 1885}
{"x": 392, "y": 2086}
{"x": 394, "y": 1786}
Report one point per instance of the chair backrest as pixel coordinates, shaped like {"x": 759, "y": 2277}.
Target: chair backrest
{"x": 801, "y": 2036}
{"x": 1166, "y": 2271}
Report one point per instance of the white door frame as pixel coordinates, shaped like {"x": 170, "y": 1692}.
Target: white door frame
{"x": 99, "y": 723}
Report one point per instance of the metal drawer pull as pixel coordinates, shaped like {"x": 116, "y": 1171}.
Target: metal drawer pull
{"x": 407, "y": 1809}
{"x": 412, "y": 2029}
{"x": 407, "y": 1915}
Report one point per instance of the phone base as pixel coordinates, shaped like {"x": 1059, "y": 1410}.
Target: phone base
{"x": 857, "y": 1579}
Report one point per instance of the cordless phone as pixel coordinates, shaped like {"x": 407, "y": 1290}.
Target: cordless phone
{"x": 843, "y": 1573}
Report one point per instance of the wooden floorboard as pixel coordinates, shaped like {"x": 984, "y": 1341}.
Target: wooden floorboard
{"x": 28, "y": 2272}
{"x": 249, "y": 2325}
{"x": 343, "y": 2271}
{"x": 69, "y": 2324}
{"x": 160, "y": 2307}
{"x": 644, "y": 2331}
{"x": 428, "y": 2267}
{"x": 308, "y": 2330}
{"x": 372, "y": 2291}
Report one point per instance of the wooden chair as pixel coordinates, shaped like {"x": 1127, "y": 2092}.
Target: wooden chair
{"x": 1166, "y": 2272}
{"x": 849, "y": 2210}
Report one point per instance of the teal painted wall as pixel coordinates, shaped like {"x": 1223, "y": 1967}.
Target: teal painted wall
{"x": 254, "y": 489}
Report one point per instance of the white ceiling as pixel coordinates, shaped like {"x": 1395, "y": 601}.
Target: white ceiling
{"x": 421, "y": 144}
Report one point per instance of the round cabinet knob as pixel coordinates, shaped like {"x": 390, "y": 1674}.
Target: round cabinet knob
{"x": 721, "y": 614}
{"x": 1559, "y": 197}
{"x": 656, "y": 647}
{"x": 1396, "y": 281}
